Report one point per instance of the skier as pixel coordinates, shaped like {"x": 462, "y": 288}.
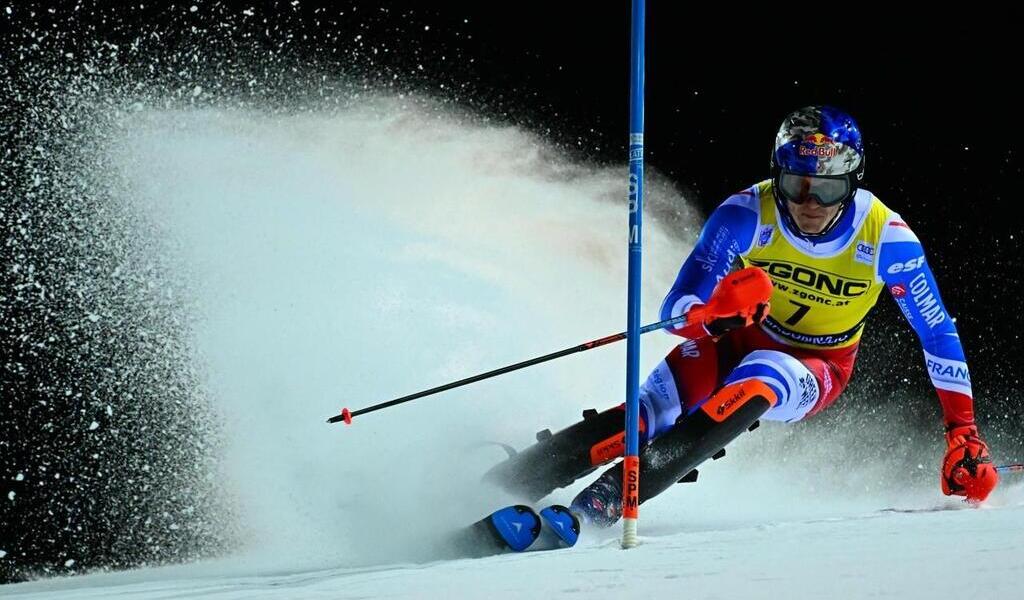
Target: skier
{"x": 777, "y": 287}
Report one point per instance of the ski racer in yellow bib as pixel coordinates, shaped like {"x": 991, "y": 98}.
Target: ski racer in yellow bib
{"x": 775, "y": 291}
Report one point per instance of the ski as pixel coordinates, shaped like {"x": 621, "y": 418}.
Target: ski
{"x": 931, "y": 509}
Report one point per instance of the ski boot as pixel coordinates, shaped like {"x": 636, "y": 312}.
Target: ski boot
{"x": 600, "y": 503}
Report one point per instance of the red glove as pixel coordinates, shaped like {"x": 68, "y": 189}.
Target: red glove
{"x": 967, "y": 469}
{"x": 739, "y": 300}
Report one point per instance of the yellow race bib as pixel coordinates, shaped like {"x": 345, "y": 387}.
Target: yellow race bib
{"x": 822, "y": 291}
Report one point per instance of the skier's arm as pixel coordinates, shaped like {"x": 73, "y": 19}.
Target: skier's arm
{"x": 728, "y": 233}
{"x": 904, "y": 269}
{"x": 967, "y": 468}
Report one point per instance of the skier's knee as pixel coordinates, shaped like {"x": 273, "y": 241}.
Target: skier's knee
{"x": 795, "y": 387}
{"x": 731, "y": 396}
{"x": 659, "y": 401}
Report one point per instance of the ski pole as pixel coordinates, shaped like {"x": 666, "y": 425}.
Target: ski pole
{"x": 347, "y": 415}
{"x": 1017, "y": 468}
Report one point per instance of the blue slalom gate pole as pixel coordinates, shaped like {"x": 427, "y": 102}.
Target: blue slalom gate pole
{"x": 631, "y": 470}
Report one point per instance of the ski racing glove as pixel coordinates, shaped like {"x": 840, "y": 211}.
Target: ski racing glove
{"x": 739, "y": 300}
{"x": 967, "y": 469}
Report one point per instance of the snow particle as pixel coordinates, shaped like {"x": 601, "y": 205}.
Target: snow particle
{"x": 94, "y": 426}
{"x": 193, "y": 8}
{"x": 20, "y": 477}
{"x": 69, "y": 563}
{"x": 2, "y": 552}
{"x": 10, "y": 496}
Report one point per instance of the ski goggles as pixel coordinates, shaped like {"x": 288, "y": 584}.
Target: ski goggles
{"x": 827, "y": 191}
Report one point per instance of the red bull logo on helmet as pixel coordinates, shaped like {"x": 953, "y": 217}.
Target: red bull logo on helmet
{"x": 819, "y": 145}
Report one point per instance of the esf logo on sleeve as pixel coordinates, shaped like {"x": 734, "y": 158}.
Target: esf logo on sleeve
{"x": 904, "y": 267}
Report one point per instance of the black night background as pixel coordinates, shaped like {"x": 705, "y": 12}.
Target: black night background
{"x": 941, "y": 126}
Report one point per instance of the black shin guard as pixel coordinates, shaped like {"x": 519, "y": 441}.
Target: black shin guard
{"x": 674, "y": 455}
{"x": 559, "y": 459}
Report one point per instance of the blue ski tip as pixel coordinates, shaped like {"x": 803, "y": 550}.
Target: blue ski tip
{"x": 518, "y": 525}
{"x": 561, "y": 521}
